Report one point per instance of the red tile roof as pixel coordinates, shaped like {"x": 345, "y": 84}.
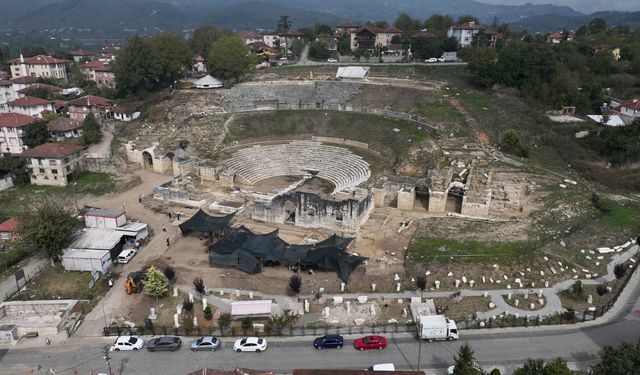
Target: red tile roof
{"x": 51, "y": 151}
{"x": 50, "y": 88}
{"x": 198, "y": 58}
{"x": 39, "y": 60}
{"x": 378, "y": 30}
{"x": 29, "y": 101}
{"x": 4, "y": 75}
{"x": 97, "y": 65}
{"x": 123, "y": 109}
{"x": 556, "y": 36}
{"x": 15, "y": 120}
{"x": 631, "y": 104}
{"x": 89, "y": 101}
{"x": 468, "y": 26}
{"x": 63, "y": 124}
{"x": 4, "y": 82}
{"x": 248, "y": 34}
{"x": 8, "y": 226}
{"x": 24, "y": 80}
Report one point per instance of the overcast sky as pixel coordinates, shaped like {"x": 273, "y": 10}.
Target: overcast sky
{"x": 585, "y": 6}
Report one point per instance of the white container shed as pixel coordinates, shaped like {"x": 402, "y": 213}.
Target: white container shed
{"x": 135, "y": 231}
{"x": 253, "y": 309}
{"x": 99, "y": 218}
{"x": 86, "y": 260}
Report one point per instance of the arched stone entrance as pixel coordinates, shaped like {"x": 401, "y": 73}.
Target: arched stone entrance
{"x": 147, "y": 160}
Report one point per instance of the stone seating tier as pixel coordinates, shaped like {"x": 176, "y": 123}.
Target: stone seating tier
{"x": 338, "y": 165}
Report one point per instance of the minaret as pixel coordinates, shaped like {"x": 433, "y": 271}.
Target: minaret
{"x": 23, "y": 66}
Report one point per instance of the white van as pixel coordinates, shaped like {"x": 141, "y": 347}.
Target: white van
{"x": 126, "y": 255}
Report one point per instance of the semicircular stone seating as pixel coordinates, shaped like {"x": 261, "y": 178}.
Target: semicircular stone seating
{"x": 338, "y": 165}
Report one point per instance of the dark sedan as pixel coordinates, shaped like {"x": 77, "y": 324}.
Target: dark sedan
{"x": 170, "y": 343}
{"x": 328, "y": 341}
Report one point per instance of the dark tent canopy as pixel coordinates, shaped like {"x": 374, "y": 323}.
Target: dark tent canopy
{"x": 242, "y": 248}
{"x": 205, "y": 223}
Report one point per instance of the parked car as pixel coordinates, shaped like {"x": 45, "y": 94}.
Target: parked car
{"x": 332, "y": 60}
{"x": 126, "y": 255}
{"x": 250, "y": 344}
{"x": 170, "y": 343}
{"x": 127, "y": 343}
{"x": 403, "y": 60}
{"x": 328, "y": 341}
{"x": 370, "y": 342}
{"x": 431, "y": 60}
{"x": 206, "y": 343}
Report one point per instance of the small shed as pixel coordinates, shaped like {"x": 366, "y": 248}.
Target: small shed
{"x": 134, "y": 231}
{"x": 208, "y": 82}
{"x": 99, "y": 218}
{"x": 252, "y": 309}
{"x": 86, "y": 260}
{"x": 358, "y": 72}
{"x": 99, "y": 239}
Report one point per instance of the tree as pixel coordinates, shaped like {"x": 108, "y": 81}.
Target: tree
{"x": 482, "y": 64}
{"x": 284, "y": 25}
{"x": 319, "y": 51}
{"x": 407, "y": 24}
{"x": 91, "y": 132}
{"x": 171, "y": 55}
{"x": 246, "y": 323}
{"x": 133, "y": 68}
{"x": 465, "y": 362}
{"x": 187, "y": 305}
{"x": 511, "y": 142}
{"x": 16, "y": 167}
{"x": 623, "y": 360}
{"x": 169, "y": 272}
{"x": 35, "y": 134}
{"x": 295, "y": 283}
{"x": 438, "y": 24}
{"x": 597, "y": 25}
{"x": 344, "y": 44}
{"x": 537, "y": 367}
{"x": 37, "y": 50}
{"x": 297, "y": 46}
{"x": 203, "y": 38}
{"x": 576, "y": 289}
{"x": 208, "y": 313}
{"x": 157, "y": 284}
{"x": 279, "y": 322}
{"x": 467, "y": 19}
{"x": 230, "y": 58}
{"x": 619, "y": 270}
{"x": 198, "y": 285}
{"x": 224, "y": 321}
{"x": 47, "y": 225}
{"x": 601, "y": 289}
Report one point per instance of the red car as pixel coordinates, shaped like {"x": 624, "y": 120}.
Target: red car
{"x": 370, "y": 342}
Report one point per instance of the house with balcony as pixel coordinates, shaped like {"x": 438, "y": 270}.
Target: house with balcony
{"x": 12, "y": 127}
{"x": 54, "y": 164}
{"x": 63, "y": 128}
{"x": 38, "y": 66}
{"x": 7, "y": 94}
{"x": 465, "y": 32}
{"x": 373, "y": 37}
{"x": 81, "y": 107}
{"x": 23, "y": 82}
{"x": 53, "y": 91}
{"x": 31, "y": 106}
{"x": 99, "y": 72}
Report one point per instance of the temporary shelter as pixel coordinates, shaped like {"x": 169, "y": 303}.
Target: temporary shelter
{"x": 208, "y": 82}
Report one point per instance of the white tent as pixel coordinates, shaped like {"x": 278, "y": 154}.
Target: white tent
{"x": 359, "y": 72}
{"x": 613, "y": 120}
{"x": 208, "y": 82}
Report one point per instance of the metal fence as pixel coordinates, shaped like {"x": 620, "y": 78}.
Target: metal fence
{"x": 27, "y": 279}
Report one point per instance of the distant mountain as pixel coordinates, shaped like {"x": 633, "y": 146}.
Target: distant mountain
{"x": 554, "y": 22}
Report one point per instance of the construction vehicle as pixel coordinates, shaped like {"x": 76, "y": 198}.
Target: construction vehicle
{"x": 135, "y": 282}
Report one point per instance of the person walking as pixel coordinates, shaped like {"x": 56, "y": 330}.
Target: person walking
{"x": 139, "y": 198}
{"x": 167, "y": 242}
{"x": 164, "y": 228}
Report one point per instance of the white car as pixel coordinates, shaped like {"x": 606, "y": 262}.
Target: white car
{"x": 127, "y": 343}
{"x": 431, "y": 60}
{"x": 332, "y": 60}
{"x": 250, "y": 344}
{"x": 126, "y": 255}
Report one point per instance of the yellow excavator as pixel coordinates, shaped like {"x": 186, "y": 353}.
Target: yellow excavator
{"x": 135, "y": 282}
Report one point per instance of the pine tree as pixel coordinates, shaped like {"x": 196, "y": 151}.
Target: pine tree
{"x": 157, "y": 284}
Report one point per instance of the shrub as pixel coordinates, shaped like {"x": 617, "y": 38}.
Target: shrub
{"x": 198, "y": 284}
{"x": 246, "y": 322}
{"x": 597, "y": 203}
{"x": 495, "y": 371}
{"x": 224, "y": 321}
{"x": 511, "y": 143}
{"x": 169, "y": 272}
{"x": 569, "y": 315}
{"x": 187, "y": 305}
{"x": 576, "y": 289}
{"x": 208, "y": 314}
{"x": 295, "y": 283}
{"x": 187, "y": 322}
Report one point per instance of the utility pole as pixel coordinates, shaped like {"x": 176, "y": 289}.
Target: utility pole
{"x": 107, "y": 359}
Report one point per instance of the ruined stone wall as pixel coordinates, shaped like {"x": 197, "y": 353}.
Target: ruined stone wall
{"x": 406, "y": 198}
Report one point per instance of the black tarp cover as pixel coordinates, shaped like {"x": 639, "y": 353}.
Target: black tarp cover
{"x": 242, "y": 248}
{"x": 205, "y": 223}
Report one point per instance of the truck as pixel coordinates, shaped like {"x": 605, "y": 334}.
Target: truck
{"x": 449, "y": 57}
{"x": 431, "y": 326}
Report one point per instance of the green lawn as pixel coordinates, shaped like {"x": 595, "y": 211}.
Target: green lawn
{"x": 426, "y": 249}
{"x": 56, "y": 283}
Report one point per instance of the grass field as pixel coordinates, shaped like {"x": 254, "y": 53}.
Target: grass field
{"x": 56, "y": 283}
{"x": 377, "y": 131}
{"x": 472, "y": 251}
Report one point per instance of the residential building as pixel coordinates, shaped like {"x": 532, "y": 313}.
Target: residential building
{"x": 7, "y": 94}
{"x": 54, "y": 91}
{"x": 30, "y": 106}
{"x": 54, "y": 163}
{"x": 330, "y": 41}
{"x": 20, "y": 83}
{"x": 250, "y": 37}
{"x": 630, "y": 110}
{"x": 108, "y": 52}
{"x": 82, "y": 55}
{"x": 464, "y": 33}
{"x": 38, "y": 66}
{"x": 373, "y": 37}
{"x": 11, "y": 131}
{"x": 8, "y": 230}
{"x": 347, "y": 27}
{"x": 279, "y": 39}
{"x": 125, "y": 113}
{"x": 199, "y": 65}
{"x": 99, "y": 72}
{"x": 272, "y": 40}
{"x": 79, "y": 108}
{"x": 4, "y": 75}
{"x": 63, "y": 128}
{"x": 555, "y": 38}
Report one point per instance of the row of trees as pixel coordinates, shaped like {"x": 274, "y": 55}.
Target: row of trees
{"x": 621, "y": 360}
